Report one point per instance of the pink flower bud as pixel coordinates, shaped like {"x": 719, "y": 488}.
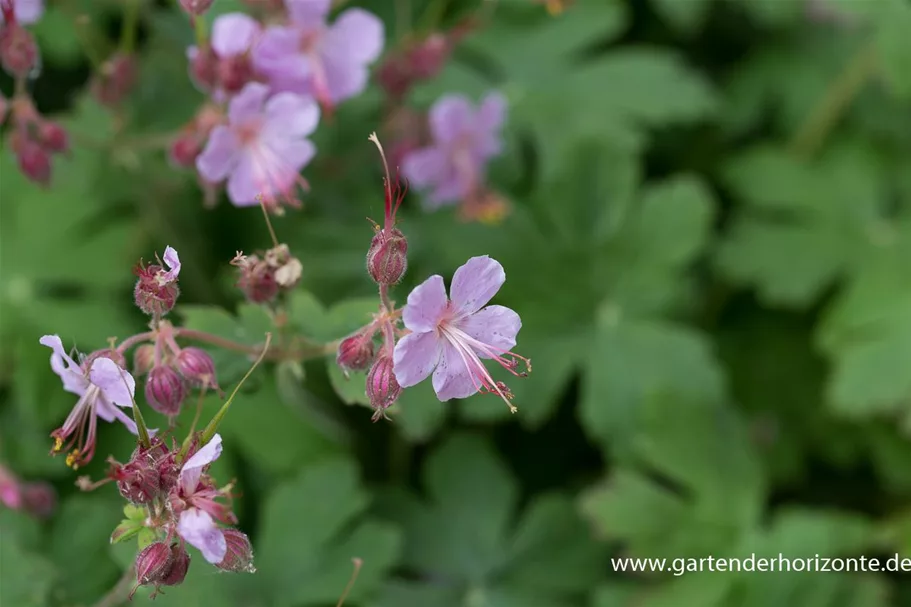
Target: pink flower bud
{"x": 195, "y": 7}
{"x": 143, "y": 359}
{"x": 197, "y": 367}
{"x": 234, "y": 72}
{"x": 152, "y": 295}
{"x": 428, "y": 58}
{"x": 39, "y": 499}
{"x": 165, "y": 390}
{"x": 109, "y": 353}
{"x": 239, "y": 557}
{"x": 10, "y": 489}
{"x": 185, "y": 149}
{"x": 139, "y": 479}
{"x": 386, "y": 258}
{"x": 204, "y": 69}
{"x": 34, "y": 161}
{"x": 153, "y": 563}
{"x": 382, "y": 387}
{"x": 179, "y": 566}
{"x": 115, "y": 80}
{"x": 53, "y": 136}
{"x": 355, "y": 353}
{"x": 18, "y": 50}
{"x": 394, "y": 76}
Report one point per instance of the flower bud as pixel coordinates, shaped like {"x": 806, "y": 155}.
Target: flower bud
{"x": 179, "y": 566}
{"x": 184, "y": 150}
{"x": 382, "y": 387}
{"x": 165, "y": 390}
{"x": 115, "y": 80}
{"x": 109, "y": 353}
{"x": 153, "y": 563}
{"x": 428, "y": 58}
{"x": 39, "y": 499}
{"x": 197, "y": 367}
{"x": 18, "y": 50}
{"x": 386, "y": 257}
{"x": 204, "y": 68}
{"x": 53, "y": 136}
{"x": 195, "y": 7}
{"x": 234, "y": 73}
{"x": 152, "y": 296}
{"x": 143, "y": 359}
{"x": 239, "y": 556}
{"x": 34, "y": 161}
{"x": 355, "y": 353}
{"x": 138, "y": 480}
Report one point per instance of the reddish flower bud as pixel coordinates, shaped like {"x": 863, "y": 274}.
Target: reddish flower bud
{"x": 429, "y": 56}
{"x": 153, "y": 295}
{"x": 197, "y": 367}
{"x": 256, "y": 280}
{"x": 110, "y": 353}
{"x": 239, "y": 557}
{"x": 143, "y": 359}
{"x": 18, "y": 50}
{"x": 34, "y": 161}
{"x": 382, "y": 387}
{"x": 115, "y": 80}
{"x": 165, "y": 390}
{"x": 139, "y": 480}
{"x": 394, "y": 77}
{"x": 184, "y": 150}
{"x": 386, "y": 258}
{"x": 179, "y": 566}
{"x": 39, "y": 499}
{"x": 53, "y": 136}
{"x": 195, "y": 7}
{"x": 153, "y": 563}
{"x": 204, "y": 69}
{"x": 234, "y": 72}
{"x": 355, "y": 353}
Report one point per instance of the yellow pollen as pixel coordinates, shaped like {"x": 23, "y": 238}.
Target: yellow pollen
{"x": 58, "y": 444}
{"x": 71, "y": 459}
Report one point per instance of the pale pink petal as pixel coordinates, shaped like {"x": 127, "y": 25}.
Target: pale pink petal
{"x": 449, "y": 190}
{"x": 65, "y": 367}
{"x": 496, "y": 326}
{"x": 356, "y": 37}
{"x": 192, "y": 468}
{"x": 233, "y": 34}
{"x": 116, "y": 383}
{"x": 450, "y": 117}
{"x": 452, "y": 378}
{"x": 290, "y": 115}
{"x": 199, "y": 530}
{"x": 54, "y": 343}
{"x": 173, "y": 262}
{"x": 109, "y": 413}
{"x": 219, "y": 157}
{"x": 246, "y": 183}
{"x": 277, "y": 56}
{"x": 295, "y": 155}
{"x": 426, "y": 304}
{"x": 415, "y": 356}
{"x": 308, "y": 12}
{"x": 475, "y": 283}
{"x": 425, "y": 166}
{"x": 344, "y": 80}
{"x": 27, "y": 11}
{"x": 248, "y": 103}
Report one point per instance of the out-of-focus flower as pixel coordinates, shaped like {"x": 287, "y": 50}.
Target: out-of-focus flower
{"x": 464, "y": 140}
{"x": 309, "y": 56}
{"x": 263, "y": 148}
{"x": 24, "y": 11}
{"x": 225, "y": 67}
{"x": 36, "y": 498}
{"x": 115, "y": 80}
{"x": 102, "y": 387}
{"x": 195, "y": 8}
{"x": 449, "y": 337}
{"x": 18, "y": 50}
{"x": 156, "y": 289}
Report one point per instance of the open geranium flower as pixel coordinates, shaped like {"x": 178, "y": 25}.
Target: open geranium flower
{"x": 449, "y": 337}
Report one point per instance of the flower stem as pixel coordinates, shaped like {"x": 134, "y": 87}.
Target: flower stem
{"x": 130, "y": 22}
{"x": 306, "y": 351}
{"x": 835, "y": 102}
{"x": 357, "y": 569}
{"x": 129, "y": 342}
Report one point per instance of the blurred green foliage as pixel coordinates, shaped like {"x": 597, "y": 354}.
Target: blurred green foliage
{"x": 708, "y": 245}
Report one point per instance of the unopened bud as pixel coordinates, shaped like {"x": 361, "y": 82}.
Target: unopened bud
{"x": 53, "y": 137}
{"x": 197, "y": 367}
{"x": 152, "y": 295}
{"x": 239, "y": 556}
{"x": 382, "y": 387}
{"x": 18, "y": 50}
{"x": 355, "y": 353}
{"x": 195, "y": 7}
{"x": 109, "y": 353}
{"x": 428, "y": 58}
{"x": 386, "y": 258}
{"x": 165, "y": 390}
{"x": 179, "y": 566}
{"x": 184, "y": 150}
{"x": 39, "y": 499}
{"x": 115, "y": 80}
{"x": 143, "y": 359}
{"x": 204, "y": 68}
{"x": 153, "y": 563}
{"x": 34, "y": 161}
{"x": 234, "y": 73}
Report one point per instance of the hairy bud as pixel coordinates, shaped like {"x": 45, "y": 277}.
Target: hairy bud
{"x": 204, "y": 68}
{"x": 153, "y": 563}
{"x": 180, "y": 564}
{"x": 151, "y": 294}
{"x": 165, "y": 390}
{"x": 197, "y": 367}
{"x": 239, "y": 557}
{"x": 355, "y": 353}
{"x": 139, "y": 480}
{"x": 143, "y": 359}
{"x": 382, "y": 387}
{"x": 18, "y": 50}
{"x": 386, "y": 257}
{"x": 195, "y": 7}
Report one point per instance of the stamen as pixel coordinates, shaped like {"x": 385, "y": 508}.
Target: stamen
{"x": 477, "y": 370}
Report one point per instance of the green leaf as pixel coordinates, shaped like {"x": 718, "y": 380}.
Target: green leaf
{"x": 418, "y": 413}
{"x": 352, "y": 389}
{"x": 893, "y": 21}
{"x": 687, "y": 16}
{"x": 27, "y": 577}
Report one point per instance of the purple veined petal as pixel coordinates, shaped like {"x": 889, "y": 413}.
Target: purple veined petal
{"x": 427, "y": 303}
{"x": 246, "y": 182}
{"x": 492, "y": 113}
{"x": 248, "y": 103}
{"x": 308, "y": 12}
{"x": 452, "y": 379}
{"x": 192, "y": 468}
{"x": 220, "y": 155}
{"x": 475, "y": 283}
{"x": 425, "y": 166}
{"x": 415, "y": 356}
{"x": 233, "y": 34}
{"x": 356, "y": 37}
{"x": 116, "y": 383}
{"x": 289, "y": 115}
{"x": 173, "y": 262}
{"x": 451, "y": 117}
{"x": 496, "y": 326}
{"x": 198, "y": 529}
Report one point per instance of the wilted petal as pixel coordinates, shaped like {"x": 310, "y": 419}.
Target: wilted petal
{"x": 475, "y": 283}
{"x": 308, "y": 12}
{"x": 199, "y": 530}
{"x": 452, "y": 379}
{"x": 426, "y": 304}
{"x": 450, "y": 117}
{"x": 425, "y": 166}
{"x": 173, "y": 262}
{"x": 248, "y": 103}
{"x": 192, "y": 468}
{"x": 356, "y": 37}
{"x": 233, "y": 34}
{"x": 496, "y": 326}
{"x": 415, "y": 356}
{"x": 219, "y": 157}
{"x": 290, "y": 115}
{"x": 116, "y": 383}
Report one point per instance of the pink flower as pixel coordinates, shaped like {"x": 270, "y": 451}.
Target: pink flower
{"x": 464, "y": 140}
{"x": 452, "y": 336}
{"x": 263, "y": 148}
{"x": 309, "y": 56}
{"x": 26, "y": 11}
{"x": 102, "y": 386}
{"x": 196, "y": 502}
{"x": 233, "y": 37}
